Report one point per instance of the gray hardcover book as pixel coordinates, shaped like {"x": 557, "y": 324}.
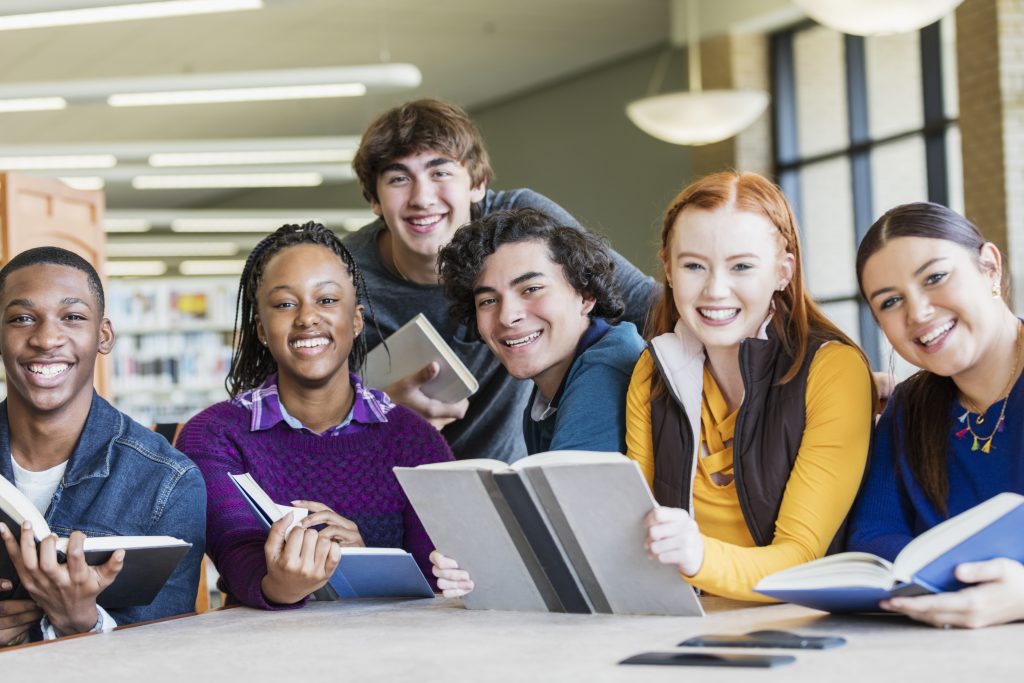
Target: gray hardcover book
{"x": 409, "y": 349}
{"x": 587, "y": 527}
{"x": 597, "y": 511}
{"x": 467, "y": 518}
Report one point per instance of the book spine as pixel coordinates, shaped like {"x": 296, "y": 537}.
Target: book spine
{"x": 543, "y": 541}
{"x": 533, "y": 565}
{"x": 563, "y": 530}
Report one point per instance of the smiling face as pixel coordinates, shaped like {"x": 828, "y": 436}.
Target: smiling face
{"x": 933, "y": 299}
{"x": 52, "y": 331}
{"x": 724, "y": 266}
{"x": 308, "y": 316}
{"x": 424, "y": 198}
{"x": 529, "y": 315}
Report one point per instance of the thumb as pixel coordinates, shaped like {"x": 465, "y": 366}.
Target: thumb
{"x": 109, "y": 570}
{"x": 982, "y": 572}
{"x": 277, "y": 536}
{"x": 428, "y": 372}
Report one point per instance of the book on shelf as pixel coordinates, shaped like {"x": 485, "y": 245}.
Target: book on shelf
{"x": 362, "y": 572}
{"x": 148, "y": 561}
{"x": 559, "y": 531}
{"x": 857, "y": 582}
{"x": 410, "y": 349}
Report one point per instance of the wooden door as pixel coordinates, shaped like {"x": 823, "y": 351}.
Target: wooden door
{"x": 38, "y": 212}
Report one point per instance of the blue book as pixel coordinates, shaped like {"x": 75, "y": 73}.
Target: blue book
{"x": 857, "y": 582}
{"x": 362, "y": 572}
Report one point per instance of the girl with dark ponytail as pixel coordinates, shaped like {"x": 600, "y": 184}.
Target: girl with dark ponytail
{"x": 951, "y": 435}
{"x": 303, "y": 425}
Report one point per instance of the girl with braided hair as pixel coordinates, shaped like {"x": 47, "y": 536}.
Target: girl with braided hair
{"x": 303, "y": 425}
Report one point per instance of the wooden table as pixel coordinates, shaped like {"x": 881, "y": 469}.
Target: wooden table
{"x": 439, "y": 640}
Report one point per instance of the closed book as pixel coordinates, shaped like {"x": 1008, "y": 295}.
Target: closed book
{"x": 148, "y": 561}
{"x": 362, "y": 572}
{"x": 559, "y": 531}
{"x": 411, "y": 348}
{"x": 379, "y": 573}
{"x": 857, "y": 582}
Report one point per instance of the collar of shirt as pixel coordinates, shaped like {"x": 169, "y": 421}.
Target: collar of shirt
{"x": 541, "y": 409}
{"x": 264, "y": 402}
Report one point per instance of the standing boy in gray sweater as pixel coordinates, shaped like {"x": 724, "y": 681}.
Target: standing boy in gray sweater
{"x": 424, "y": 170}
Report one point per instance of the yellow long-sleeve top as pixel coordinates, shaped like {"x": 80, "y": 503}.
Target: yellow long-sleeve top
{"x": 821, "y": 488}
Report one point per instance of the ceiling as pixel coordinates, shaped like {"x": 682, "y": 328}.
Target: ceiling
{"x": 469, "y": 51}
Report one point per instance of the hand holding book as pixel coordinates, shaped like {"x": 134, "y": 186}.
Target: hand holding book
{"x": 299, "y": 561}
{"x": 995, "y": 596}
{"x": 452, "y": 581}
{"x": 673, "y": 538}
{"x": 65, "y": 592}
{"x": 335, "y": 527}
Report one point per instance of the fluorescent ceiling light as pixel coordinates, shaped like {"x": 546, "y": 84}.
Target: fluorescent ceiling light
{"x": 32, "y": 104}
{"x": 284, "y": 92}
{"x": 217, "y": 87}
{"x": 212, "y": 267}
{"x": 293, "y": 156}
{"x": 84, "y": 182}
{"x": 235, "y": 221}
{"x": 226, "y": 180}
{"x": 58, "y": 162}
{"x": 158, "y": 248}
{"x": 134, "y": 268}
{"x": 98, "y": 11}
{"x": 126, "y": 224}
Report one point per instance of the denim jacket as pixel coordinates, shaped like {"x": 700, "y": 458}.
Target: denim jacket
{"x": 125, "y": 480}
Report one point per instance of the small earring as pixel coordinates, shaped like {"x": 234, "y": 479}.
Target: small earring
{"x": 263, "y": 341}
{"x": 995, "y": 290}
{"x": 669, "y": 284}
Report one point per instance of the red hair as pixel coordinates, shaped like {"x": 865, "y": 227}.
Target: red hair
{"x": 797, "y": 318}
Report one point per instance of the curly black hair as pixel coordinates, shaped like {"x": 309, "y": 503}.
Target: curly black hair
{"x": 251, "y": 362}
{"x": 583, "y": 256}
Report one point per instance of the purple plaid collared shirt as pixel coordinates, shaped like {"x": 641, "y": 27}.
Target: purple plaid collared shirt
{"x": 370, "y": 407}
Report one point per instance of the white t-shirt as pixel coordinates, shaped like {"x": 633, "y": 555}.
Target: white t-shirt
{"x": 38, "y": 487}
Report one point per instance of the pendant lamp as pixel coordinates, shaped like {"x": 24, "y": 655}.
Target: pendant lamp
{"x": 877, "y": 17}
{"x": 696, "y": 117}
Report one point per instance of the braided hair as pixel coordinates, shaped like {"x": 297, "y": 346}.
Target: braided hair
{"x": 251, "y": 361}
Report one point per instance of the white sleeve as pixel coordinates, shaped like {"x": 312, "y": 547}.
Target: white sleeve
{"x": 104, "y": 624}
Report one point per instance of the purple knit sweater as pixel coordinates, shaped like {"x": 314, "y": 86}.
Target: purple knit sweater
{"x": 349, "y": 473}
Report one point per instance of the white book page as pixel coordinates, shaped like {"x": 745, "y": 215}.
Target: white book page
{"x": 20, "y": 508}
{"x": 835, "y": 571}
{"x": 551, "y": 458}
{"x": 123, "y": 542}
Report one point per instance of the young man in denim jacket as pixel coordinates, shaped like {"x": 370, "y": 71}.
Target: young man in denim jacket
{"x": 89, "y": 469}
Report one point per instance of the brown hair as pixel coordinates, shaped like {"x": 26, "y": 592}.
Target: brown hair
{"x": 797, "y": 318}
{"x": 414, "y": 127}
{"x": 923, "y": 401}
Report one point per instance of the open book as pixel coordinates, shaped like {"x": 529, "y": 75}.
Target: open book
{"x": 362, "y": 572}
{"x": 856, "y": 582}
{"x": 411, "y": 348}
{"x": 559, "y": 531}
{"x": 148, "y": 561}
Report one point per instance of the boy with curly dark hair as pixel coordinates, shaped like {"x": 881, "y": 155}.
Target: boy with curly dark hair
{"x": 544, "y": 299}
{"x": 425, "y": 171}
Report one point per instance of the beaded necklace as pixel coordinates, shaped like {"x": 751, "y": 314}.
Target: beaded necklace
{"x": 984, "y": 443}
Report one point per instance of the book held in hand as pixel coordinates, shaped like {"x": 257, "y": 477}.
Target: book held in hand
{"x": 413, "y": 346}
{"x": 559, "y": 531}
{"x": 362, "y": 572}
{"x": 857, "y": 582}
{"x": 148, "y": 561}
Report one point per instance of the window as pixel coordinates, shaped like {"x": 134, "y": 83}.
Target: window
{"x": 861, "y": 125}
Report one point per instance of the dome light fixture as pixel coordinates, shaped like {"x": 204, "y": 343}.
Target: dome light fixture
{"x": 877, "y": 17}
{"x": 697, "y": 116}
